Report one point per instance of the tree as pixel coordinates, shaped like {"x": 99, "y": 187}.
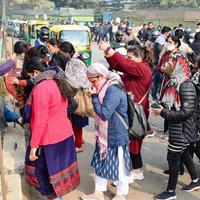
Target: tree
{"x": 32, "y": 3}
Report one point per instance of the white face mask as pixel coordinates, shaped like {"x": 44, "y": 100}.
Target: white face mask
{"x": 191, "y": 40}
{"x": 197, "y": 30}
{"x": 171, "y": 47}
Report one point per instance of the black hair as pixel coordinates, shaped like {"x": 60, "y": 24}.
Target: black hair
{"x": 132, "y": 43}
{"x": 40, "y": 51}
{"x": 143, "y": 52}
{"x": 53, "y": 42}
{"x": 198, "y": 61}
{"x": 176, "y": 40}
{"x": 198, "y": 24}
{"x": 67, "y": 47}
{"x": 21, "y": 47}
{"x": 197, "y": 36}
{"x": 166, "y": 29}
{"x": 192, "y": 57}
{"x": 37, "y": 63}
{"x": 150, "y": 23}
{"x": 59, "y": 60}
{"x": 180, "y": 33}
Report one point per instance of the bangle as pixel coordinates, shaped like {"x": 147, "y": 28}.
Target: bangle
{"x": 107, "y": 50}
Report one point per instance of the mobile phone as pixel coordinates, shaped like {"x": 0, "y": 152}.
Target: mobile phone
{"x": 155, "y": 106}
{"x": 38, "y": 152}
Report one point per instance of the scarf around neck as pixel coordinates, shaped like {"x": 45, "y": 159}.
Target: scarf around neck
{"x": 50, "y": 73}
{"x": 181, "y": 73}
{"x": 101, "y": 126}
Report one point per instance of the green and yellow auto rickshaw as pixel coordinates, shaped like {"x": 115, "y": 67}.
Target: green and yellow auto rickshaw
{"x": 79, "y": 36}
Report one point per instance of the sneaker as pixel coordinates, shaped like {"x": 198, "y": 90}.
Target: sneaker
{"x": 117, "y": 197}
{"x": 139, "y": 176}
{"x": 94, "y": 196}
{"x": 192, "y": 186}
{"x": 150, "y": 134}
{"x": 130, "y": 178}
{"x": 166, "y": 195}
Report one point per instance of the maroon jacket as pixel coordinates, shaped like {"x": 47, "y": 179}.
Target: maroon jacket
{"x": 137, "y": 77}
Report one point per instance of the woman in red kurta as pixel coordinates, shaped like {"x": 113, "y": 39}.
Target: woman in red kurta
{"x": 137, "y": 78}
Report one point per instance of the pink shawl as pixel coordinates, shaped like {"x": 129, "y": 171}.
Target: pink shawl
{"x": 101, "y": 126}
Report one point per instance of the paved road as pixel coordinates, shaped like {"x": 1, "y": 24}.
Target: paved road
{"x": 154, "y": 157}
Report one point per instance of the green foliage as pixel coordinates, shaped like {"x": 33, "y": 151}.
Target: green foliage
{"x": 166, "y": 3}
{"x": 32, "y": 3}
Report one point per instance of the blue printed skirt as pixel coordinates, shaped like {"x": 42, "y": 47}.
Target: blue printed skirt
{"x": 108, "y": 168}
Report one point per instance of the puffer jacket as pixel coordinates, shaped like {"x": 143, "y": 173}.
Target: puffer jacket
{"x": 181, "y": 124}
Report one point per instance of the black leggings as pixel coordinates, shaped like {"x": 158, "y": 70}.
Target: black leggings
{"x": 136, "y": 160}
{"x": 195, "y": 148}
{"x": 174, "y": 166}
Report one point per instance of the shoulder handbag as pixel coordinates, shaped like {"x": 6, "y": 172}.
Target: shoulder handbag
{"x": 137, "y": 122}
{"x": 84, "y": 101}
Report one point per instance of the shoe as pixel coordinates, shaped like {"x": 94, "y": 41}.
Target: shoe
{"x": 192, "y": 186}
{"x": 166, "y": 195}
{"x": 94, "y": 196}
{"x": 131, "y": 178}
{"x": 167, "y": 172}
{"x": 150, "y": 134}
{"x": 139, "y": 176}
{"x": 117, "y": 197}
{"x": 79, "y": 150}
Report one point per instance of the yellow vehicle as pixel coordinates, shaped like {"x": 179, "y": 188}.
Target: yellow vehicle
{"x": 33, "y": 29}
{"x": 79, "y": 36}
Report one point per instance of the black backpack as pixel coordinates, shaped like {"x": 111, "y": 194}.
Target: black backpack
{"x": 137, "y": 127}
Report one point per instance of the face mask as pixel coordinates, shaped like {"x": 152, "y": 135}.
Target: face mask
{"x": 20, "y": 57}
{"x": 171, "y": 47}
{"x": 191, "y": 40}
{"x": 197, "y": 30}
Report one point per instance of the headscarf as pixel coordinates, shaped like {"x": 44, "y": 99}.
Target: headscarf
{"x": 98, "y": 69}
{"x": 180, "y": 74}
{"x": 101, "y": 126}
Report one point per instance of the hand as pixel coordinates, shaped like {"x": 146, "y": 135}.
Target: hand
{"x": 156, "y": 111}
{"x": 103, "y": 45}
{"x": 32, "y": 155}
{"x": 15, "y": 80}
{"x": 93, "y": 90}
{"x": 163, "y": 69}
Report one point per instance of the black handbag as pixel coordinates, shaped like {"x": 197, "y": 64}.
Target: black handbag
{"x": 137, "y": 122}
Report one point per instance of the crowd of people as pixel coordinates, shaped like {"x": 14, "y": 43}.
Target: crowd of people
{"x": 162, "y": 61}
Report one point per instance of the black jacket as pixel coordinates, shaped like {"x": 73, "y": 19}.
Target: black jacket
{"x": 195, "y": 46}
{"x": 182, "y": 124}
